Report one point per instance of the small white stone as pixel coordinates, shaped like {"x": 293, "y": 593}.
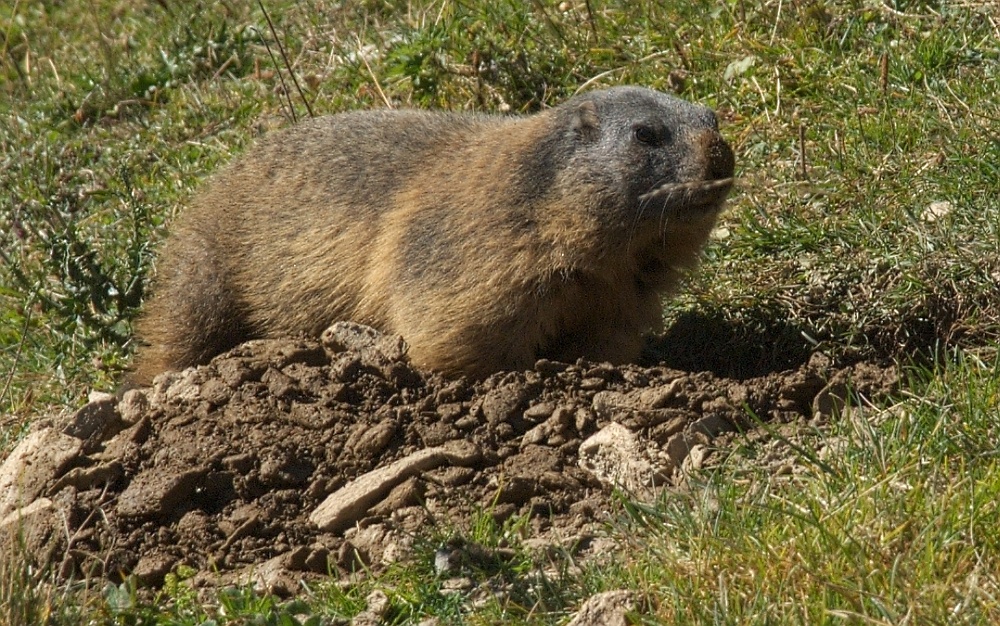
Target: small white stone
{"x": 937, "y": 210}
{"x": 349, "y": 503}
{"x": 618, "y": 459}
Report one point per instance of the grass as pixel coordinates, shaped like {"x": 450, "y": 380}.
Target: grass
{"x": 895, "y": 527}
{"x": 866, "y": 225}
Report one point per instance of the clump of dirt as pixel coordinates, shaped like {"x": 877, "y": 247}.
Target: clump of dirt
{"x": 285, "y": 459}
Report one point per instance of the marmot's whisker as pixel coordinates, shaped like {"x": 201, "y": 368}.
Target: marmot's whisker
{"x": 689, "y": 188}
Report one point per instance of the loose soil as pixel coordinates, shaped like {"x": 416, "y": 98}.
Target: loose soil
{"x": 285, "y": 460}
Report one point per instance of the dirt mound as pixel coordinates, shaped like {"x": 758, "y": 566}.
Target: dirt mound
{"x": 287, "y": 459}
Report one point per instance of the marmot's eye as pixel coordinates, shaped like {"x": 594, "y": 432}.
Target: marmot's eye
{"x": 647, "y": 135}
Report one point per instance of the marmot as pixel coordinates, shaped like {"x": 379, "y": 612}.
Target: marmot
{"x": 487, "y": 242}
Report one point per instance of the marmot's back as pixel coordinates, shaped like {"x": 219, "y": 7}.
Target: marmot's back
{"x": 486, "y": 242}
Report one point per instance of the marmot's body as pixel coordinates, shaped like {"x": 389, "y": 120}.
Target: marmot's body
{"x": 486, "y": 242}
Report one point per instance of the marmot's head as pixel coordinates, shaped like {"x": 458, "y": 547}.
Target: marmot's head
{"x": 650, "y": 159}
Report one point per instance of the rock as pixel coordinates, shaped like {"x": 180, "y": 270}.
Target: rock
{"x": 235, "y": 372}
{"x": 346, "y": 505}
{"x": 180, "y": 387}
{"x": 512, "y": 490}
{"x": 120, "y": 444}
{"x": 409, "y": 493}
{"x": 459, "y": 585}
{"x": 604, "y": 371}
{"x": 555, "y": 426}
{"x": 679, "y": 446}
{"x": 216, "y": 392}
{"x": 41, "y": 458}
{"x": 81, "y": 478}
{"x": 712, "y": 425}
{"x": 280, "y": 384}
{"x": 133, "y": 406}
{"x": 830, "y": 400}
{"x": 583, "y": 419}
{"x": 696, "y": 458}
{"x": 386, "y": 354}
{"x": 616, "y": 457}
{"x": 350, "y": 558}
{"x": 257, "y": 355}
{"x": 97, "y": 420}
{"x": 506, "y": 402}
{"x": 662, "y": 432}
{"x": 369, "y": 442}
{"x": 371, "y": 542}
{"x": 545, "y": 366}
{"x": 660, "y": 397}
{"x": 23, "y": 514}
{"x": 272, "y": 576}
{"x": 152, "y": 569}
{"x": 612, "y": 404}
{"x": 373, "y": 347}
{"x": 609, "y": 608}
{"x": 317, "y": 560}
{"x": 377, "y": 605}
{"x": 152, "y": 494}
{"x": 35, "y": 530}
{"x": 296, "y": 558}
{"x": 540, "y": 411}
{"x": 643, "y": 408}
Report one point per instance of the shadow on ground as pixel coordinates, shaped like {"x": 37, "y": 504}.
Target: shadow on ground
{"x": 757, "y": 345}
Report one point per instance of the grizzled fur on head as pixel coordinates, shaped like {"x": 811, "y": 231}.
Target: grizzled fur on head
{"x": 486, "y": 242}
{"x": 636, "y": 140}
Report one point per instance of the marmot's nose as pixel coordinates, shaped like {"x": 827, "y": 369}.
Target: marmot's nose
{"x": 721, "y": 161}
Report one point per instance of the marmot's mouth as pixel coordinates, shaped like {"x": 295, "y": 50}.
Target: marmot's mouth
{"x": 691, "y": 194}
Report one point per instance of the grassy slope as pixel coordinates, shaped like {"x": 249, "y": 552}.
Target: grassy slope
{"x": 112, "y": 112}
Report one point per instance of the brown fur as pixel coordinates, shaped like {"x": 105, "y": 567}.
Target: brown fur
{"x": 486, "y": 242}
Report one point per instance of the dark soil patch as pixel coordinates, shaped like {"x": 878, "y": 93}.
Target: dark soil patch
{"x": 289, "y": 459}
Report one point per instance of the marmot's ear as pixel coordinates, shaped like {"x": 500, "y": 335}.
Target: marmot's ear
{"x": 585, "y": 124}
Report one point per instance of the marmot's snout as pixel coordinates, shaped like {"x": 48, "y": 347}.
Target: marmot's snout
{"x": 721, "y": 161}
{"x": 709, "y": 157}
{"x": 704, "y": 178}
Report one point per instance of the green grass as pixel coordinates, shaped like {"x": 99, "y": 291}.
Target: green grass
{"x": 850, "y": 120}
{"x": 896, "y": 526}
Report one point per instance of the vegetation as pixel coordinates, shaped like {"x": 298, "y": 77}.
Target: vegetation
{"x": 866, "y": 225}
